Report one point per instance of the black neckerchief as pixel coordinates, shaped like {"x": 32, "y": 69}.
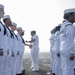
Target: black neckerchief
{"x": 22, "y": 39}
{"x": 12, "y": 36}
{"x": 5, "y": 32}
{"x": 15, "y": 35}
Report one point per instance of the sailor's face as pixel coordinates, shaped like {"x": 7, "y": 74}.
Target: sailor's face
{"x": 32, "y": 34}
{"x": 13, "y": 27}
{"x": 19, "y": 31}
{"x": 1, "y": 13}
{"x": 22, "y": 33}
{"x": 9, "y": 22}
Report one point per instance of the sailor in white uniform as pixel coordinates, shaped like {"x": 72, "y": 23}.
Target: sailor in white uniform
{"x": 57, "y": 47}
{"x": 21, "y": 44}
{"x": 3, "y": 42}
{"x": 67, "y": 34}
{"x": 7, "y": 21}
{"x": 24, "y": 44}
{"x": 15, "y": 49}
{"x": 53, "y": 51}
{"x": 35, "y": 50}
{"x": 51, "y": 47}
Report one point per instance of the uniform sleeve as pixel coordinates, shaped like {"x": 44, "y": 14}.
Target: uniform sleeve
{"x": 58, "y": 43}
{"x": 70, "y": 38}
{"x": 35, "y": 37}
{"x": 51, "y": 43}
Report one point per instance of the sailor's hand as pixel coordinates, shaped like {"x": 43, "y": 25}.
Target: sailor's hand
{"x": 12, "y": 54}
{"x": 30, "y": 46}
{"x": 18, "y": 53}
{"x": 1, "y": 53}
{"x": 58, "y": 54}
{"x": 72, "y": 57}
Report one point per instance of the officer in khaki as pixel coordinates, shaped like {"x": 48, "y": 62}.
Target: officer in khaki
{"x": 67, "y": 34}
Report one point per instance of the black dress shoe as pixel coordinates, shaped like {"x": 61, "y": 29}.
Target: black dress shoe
{"x": 19, "y": 74}
{"x": 53, "y": 74}
{"x": 23, "y": 71}
{"x": 74, "y": 69}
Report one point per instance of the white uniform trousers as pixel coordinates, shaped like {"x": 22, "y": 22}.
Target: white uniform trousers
{"x": 69, "y": 66}
{"x": 63, "y": 63}
{"x": 51, "y": 61}
{"x": 31, "y": 59}
{"x": 54, "y": 62}
{"x": 13, "y": 65}
{"x": 35, "y": 53}
{"x": 1, "y": 65}
{"x": 19, "y": 64}
{"x": 7, "y": 68}
{"x": 58, "y": 66}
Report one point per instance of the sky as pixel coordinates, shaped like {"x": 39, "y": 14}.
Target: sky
{"x": 39, "y": 15}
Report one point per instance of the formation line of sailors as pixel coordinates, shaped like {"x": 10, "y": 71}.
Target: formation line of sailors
{"x": 62, "y": 48}
{"x": 12, "y": 47}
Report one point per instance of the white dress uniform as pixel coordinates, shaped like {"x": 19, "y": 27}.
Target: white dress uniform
{"x": 51, "y": 47}
{"x": 58, "y": 60}
{"x": 54, "y": 54}
{"x": 3, "y": 46}
{"x": 2, "y": 38}
{"x": 21, "y": 45}
{"x": 31, "y": 56}
{"x": 14, "y": 50}
{"x": 35, "y": 52}
{"x": 67, "y": 33}
{"x": 23, "y": 50}
{"x": 8, "y": 57}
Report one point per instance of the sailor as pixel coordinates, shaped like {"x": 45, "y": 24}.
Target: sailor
{"x": 35, "y": 50}
{"x": 67, "y": 34}
{"x": 15, "y": 49}
{"x": 3, "y": 42}
{"x": 51, "y": 47}
{"x": 24, "y": 44}
{"x": 57, "y": 51}
{"x": 7, "y": 21}
{"x": 53, "y": 50}
{"x": 21, "y": 44}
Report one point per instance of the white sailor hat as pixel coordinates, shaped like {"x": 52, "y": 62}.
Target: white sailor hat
{"x": 1, "y": 6}
{"x": 6, "y": 17}
{"x": 19, "y": 28}
{"x": 14, "y": 24}
{"x": 69, "y": 10}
